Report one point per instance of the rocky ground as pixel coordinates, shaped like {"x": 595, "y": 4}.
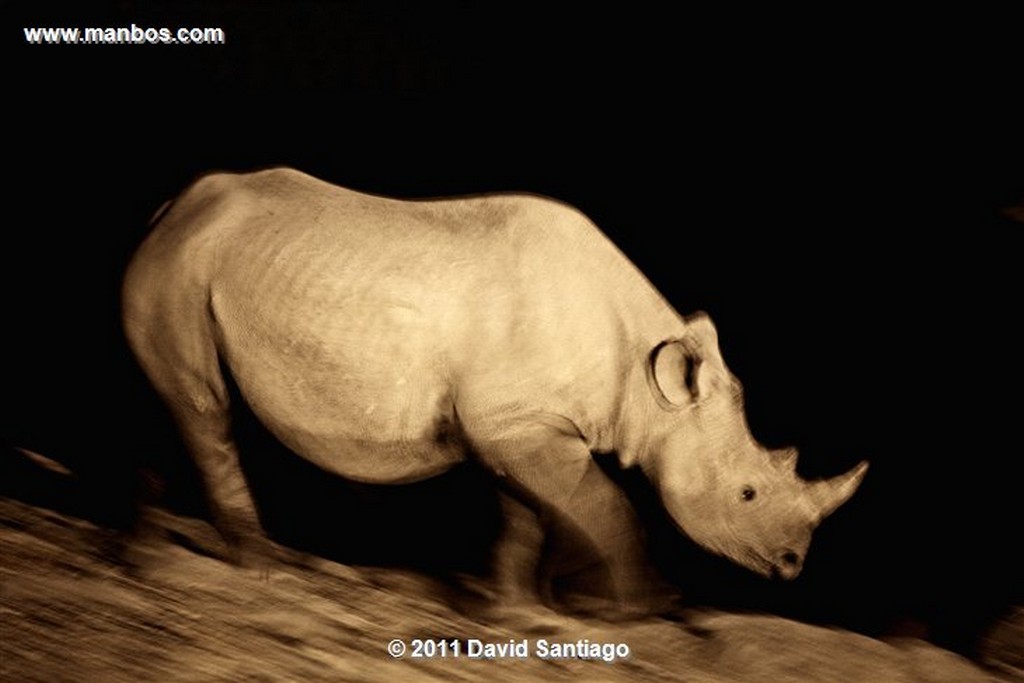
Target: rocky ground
{"x": 70, "y": 614}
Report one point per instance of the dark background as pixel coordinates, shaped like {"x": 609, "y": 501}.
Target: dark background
{"x": 829, "y": 188}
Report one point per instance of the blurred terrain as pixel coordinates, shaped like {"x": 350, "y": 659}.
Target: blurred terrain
{"x": 70, "y": 612}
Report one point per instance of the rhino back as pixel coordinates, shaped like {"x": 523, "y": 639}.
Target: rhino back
{"x": 356, "y": 324}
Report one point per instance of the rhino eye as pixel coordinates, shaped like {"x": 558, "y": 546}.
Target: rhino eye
{"x": 748, "y": 494}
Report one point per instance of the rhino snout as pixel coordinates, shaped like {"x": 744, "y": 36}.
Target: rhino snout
{"x": 787, "y": 565}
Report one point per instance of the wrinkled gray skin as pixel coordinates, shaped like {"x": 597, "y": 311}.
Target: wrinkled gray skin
{"x": 387, "y": 340}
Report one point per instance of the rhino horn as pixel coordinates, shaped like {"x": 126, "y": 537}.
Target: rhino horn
{"x": 784, "y": 459}
{"x": 828, "y": 494}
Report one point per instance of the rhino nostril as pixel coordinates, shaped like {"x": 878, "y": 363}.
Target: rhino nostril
{"x": 790, "y": 559}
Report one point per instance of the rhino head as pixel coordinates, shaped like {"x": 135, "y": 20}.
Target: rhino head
{"x": 724, "y": 490}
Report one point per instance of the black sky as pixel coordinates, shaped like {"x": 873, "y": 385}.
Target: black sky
{"x": 828, "y": 187}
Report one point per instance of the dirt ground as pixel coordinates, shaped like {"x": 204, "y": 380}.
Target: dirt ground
{"x": 70, "y": 614}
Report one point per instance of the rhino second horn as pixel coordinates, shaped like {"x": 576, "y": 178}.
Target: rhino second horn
{"x": 785, "y": 458}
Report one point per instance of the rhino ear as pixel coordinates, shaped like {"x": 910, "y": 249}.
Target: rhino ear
{"x": 701, "y": 332}
{"x": 684, "y": 370}
{"x": 672, "y": 373}
{"x": 680, "y": 375}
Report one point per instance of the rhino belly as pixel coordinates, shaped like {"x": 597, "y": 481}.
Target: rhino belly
{"x": 360, "y": 392}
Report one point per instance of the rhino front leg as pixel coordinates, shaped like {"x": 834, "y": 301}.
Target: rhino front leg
{"x": 517, "y": 554}
{"x": 586, "y": 518}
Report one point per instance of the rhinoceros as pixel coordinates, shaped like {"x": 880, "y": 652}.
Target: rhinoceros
{"x": 388, "y": 340}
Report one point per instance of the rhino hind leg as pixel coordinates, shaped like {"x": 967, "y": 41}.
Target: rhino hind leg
{"x": 188, "y": 377}
{"x": 207, "y": 435}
